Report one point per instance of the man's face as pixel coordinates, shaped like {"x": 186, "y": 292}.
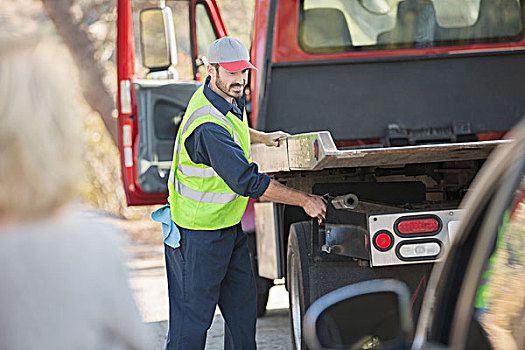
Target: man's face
{"x": 230, "y": 84}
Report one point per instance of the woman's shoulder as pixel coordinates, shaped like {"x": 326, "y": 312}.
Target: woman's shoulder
{"x": 74, "y": 232}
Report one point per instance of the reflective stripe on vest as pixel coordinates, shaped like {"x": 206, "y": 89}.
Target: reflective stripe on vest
{"x": 193, "y": 171}
{"x": 204, "y": 197}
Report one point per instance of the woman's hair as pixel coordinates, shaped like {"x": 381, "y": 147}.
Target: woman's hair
{"x": 40, "y": 143}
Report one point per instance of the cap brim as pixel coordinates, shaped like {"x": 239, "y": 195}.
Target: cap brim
{"x": 237, "y": 66}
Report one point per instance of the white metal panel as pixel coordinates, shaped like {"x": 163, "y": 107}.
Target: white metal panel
{"x": 267, "y": 236}
{"x": 386, "y": 223}
{"x": 270, "y": 159}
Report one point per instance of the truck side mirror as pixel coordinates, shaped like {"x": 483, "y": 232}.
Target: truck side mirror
{"x": 157, "y": 38}
{"x": 366, "y": 315}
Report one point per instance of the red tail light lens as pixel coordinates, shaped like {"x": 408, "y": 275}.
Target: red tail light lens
{"x": 383, "y": 240}
{"x": 417, "y": 225}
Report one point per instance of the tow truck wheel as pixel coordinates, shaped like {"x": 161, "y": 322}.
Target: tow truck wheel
{"x": 297, "y": 279}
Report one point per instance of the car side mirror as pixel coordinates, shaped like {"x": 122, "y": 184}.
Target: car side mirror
{"x": 157, "y": 38}
{"x": 365, "y": 315}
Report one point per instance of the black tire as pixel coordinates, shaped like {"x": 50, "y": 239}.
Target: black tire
{"x": 298, "y": 279}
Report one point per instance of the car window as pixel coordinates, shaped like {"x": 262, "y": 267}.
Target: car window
{"x": 348, "y": 25}
{"x": 500, "y": 299}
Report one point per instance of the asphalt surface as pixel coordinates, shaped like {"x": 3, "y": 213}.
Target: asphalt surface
{"x": 148, "y": 281}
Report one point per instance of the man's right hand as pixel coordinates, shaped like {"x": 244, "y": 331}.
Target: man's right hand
{"x": 315, "y": 206}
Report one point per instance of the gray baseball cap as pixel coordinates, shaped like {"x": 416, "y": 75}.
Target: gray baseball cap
{"x": 230, "y": 53}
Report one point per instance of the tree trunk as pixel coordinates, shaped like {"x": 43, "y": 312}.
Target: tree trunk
{"x": 91, "y": 72}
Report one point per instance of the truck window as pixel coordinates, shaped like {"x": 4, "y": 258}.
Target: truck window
{"x": 182, "y": 69}
{"x": 348, "y": 25}
{"x": 206, "y": 34}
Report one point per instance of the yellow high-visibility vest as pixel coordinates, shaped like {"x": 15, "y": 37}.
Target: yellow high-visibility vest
{"x": 198, "y": 196}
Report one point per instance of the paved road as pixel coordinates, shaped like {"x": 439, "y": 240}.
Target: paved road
{"x": 148, "y": 281}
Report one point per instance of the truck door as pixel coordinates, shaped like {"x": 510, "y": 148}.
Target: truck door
{"x": 160, "y": 63}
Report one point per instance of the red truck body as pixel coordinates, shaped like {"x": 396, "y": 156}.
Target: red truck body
{"x": 285, "y": 48}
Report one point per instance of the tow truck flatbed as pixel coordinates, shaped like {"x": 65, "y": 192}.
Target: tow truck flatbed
{"x": 317, "y": 151}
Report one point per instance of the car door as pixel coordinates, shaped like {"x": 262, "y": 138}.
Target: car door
{"x": 161, "y": 62}
{"x": 476, "y": 299}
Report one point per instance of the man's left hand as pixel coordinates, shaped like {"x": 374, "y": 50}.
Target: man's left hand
{"x": 272, "y": 138}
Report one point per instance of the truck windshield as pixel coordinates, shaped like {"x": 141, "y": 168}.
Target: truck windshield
{"x": 349, "y": 25}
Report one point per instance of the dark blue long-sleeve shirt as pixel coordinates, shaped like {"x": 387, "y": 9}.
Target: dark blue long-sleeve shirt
{"x": 210, "y": 144}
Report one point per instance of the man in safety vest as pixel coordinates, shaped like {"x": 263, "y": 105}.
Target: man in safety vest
{"x": 211, "y": 178}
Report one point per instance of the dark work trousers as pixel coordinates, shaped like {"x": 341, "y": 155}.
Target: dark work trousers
{"x": 210, "y": 268}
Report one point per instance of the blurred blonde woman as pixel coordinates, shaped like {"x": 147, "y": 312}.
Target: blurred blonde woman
{"x": 62, "y": 282}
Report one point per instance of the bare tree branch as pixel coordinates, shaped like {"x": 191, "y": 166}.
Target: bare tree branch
{"x": 83, "y": 52}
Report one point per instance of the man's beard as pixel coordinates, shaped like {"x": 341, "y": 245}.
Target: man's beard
{"x": 227, "y": 89}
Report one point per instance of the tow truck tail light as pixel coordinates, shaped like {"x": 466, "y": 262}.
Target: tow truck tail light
{"x": 383, "y": 240}
{"x": 417, "y": 225}
{"x": 410, "y": 237}
{"x": 416, "y": 251}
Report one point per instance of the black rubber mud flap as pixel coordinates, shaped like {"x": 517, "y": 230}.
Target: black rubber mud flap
{"x": 297, "y": 279}
{"x": 262, "y": 284}
{"x": 263, "y": 292}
